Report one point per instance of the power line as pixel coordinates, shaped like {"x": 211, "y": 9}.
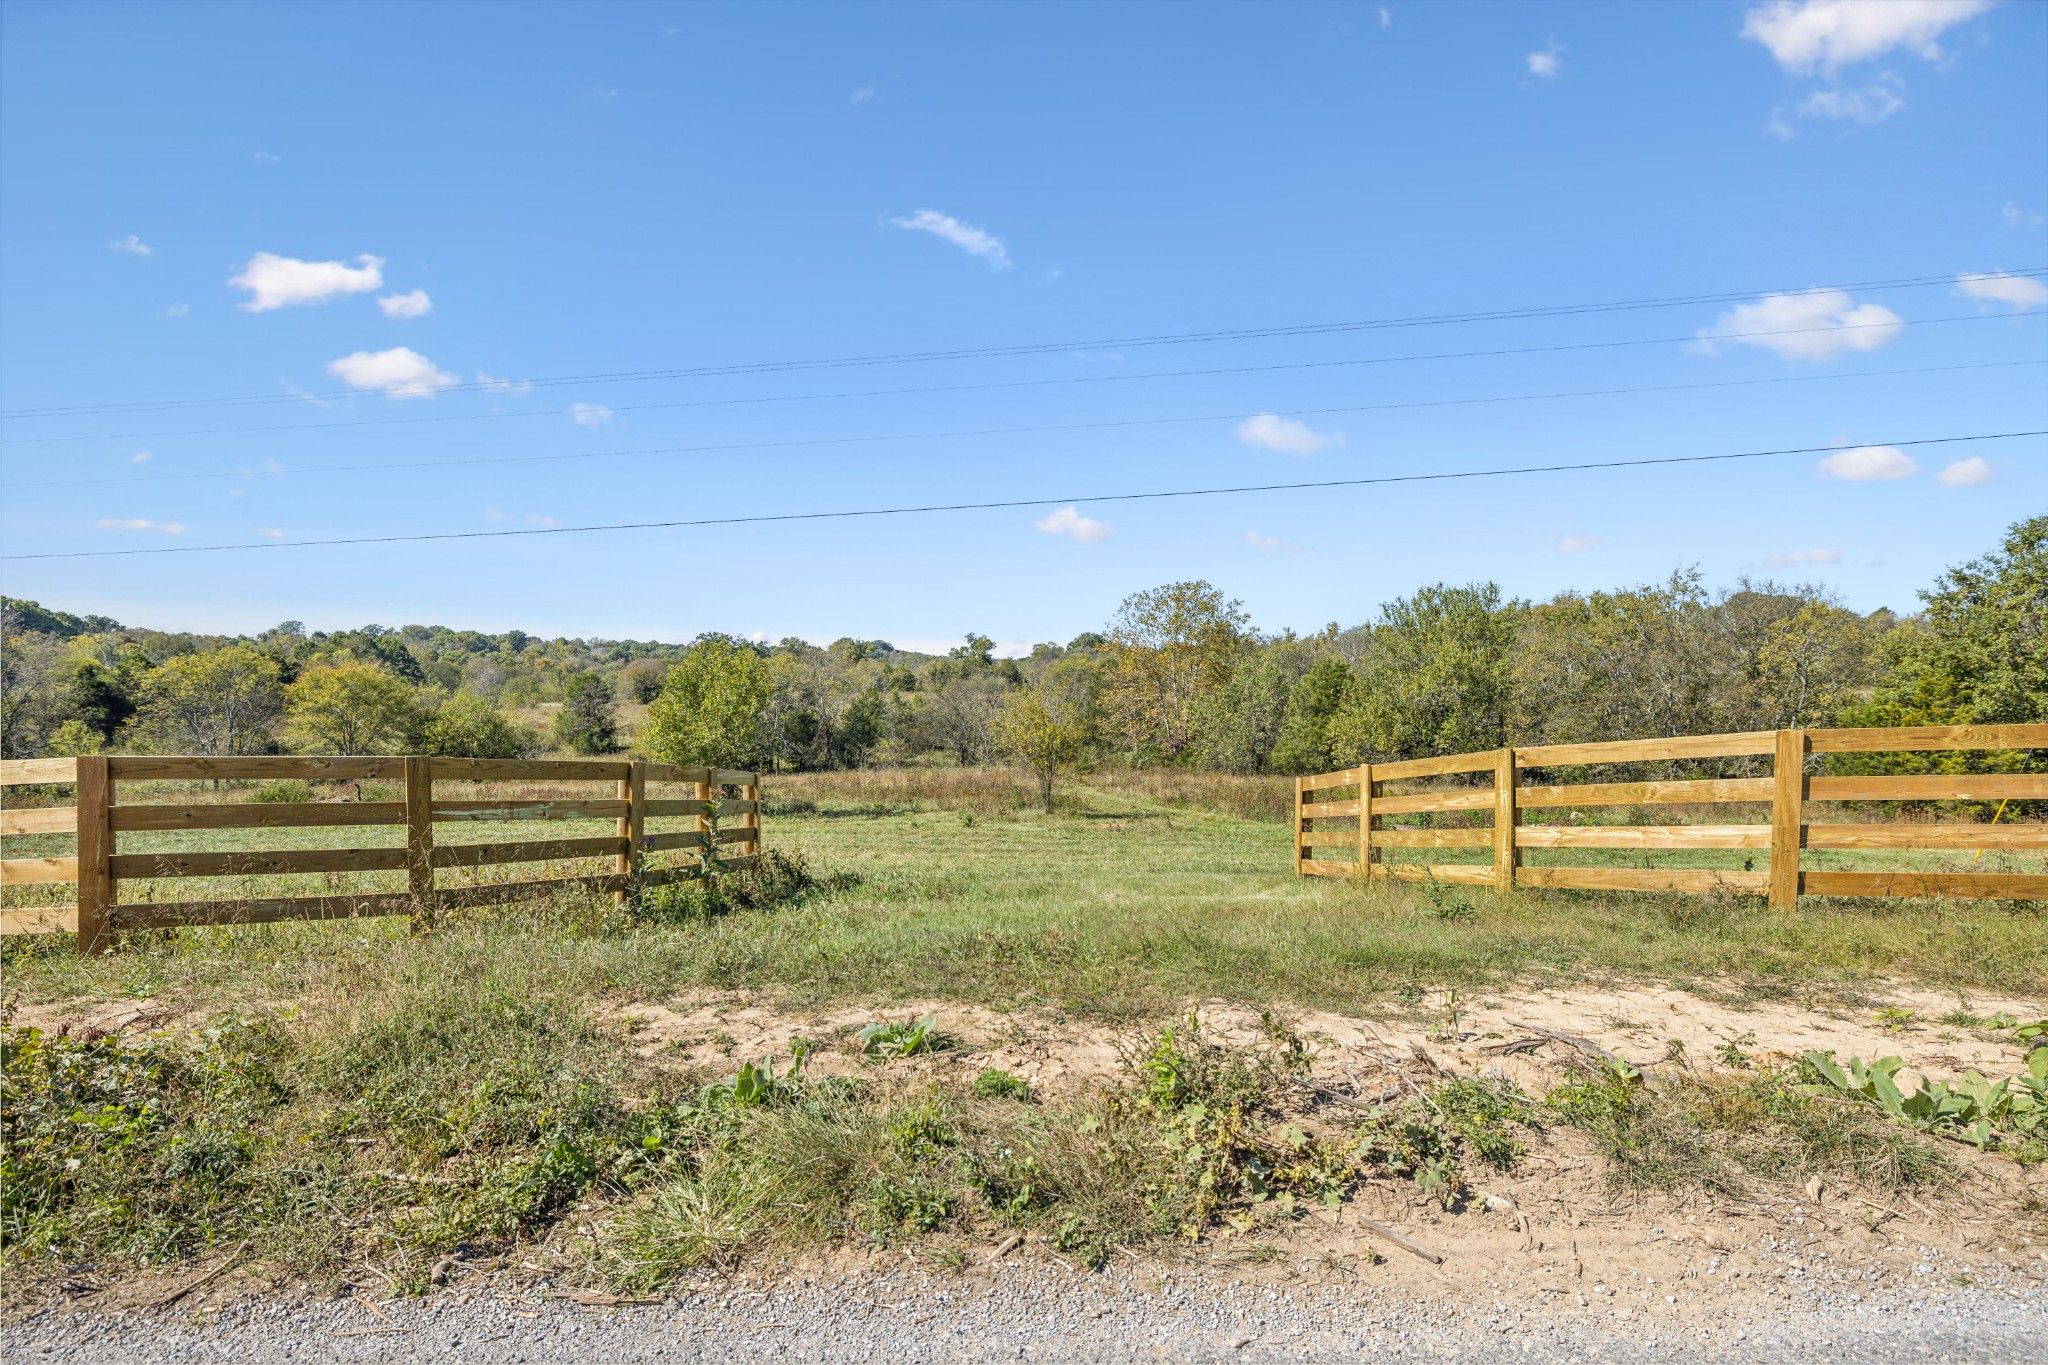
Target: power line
{"x": 732, "y": 447}
{"x": 1037, "y": 348}
{"x": 1019, "y": 383}
{"x": 1009, "y": 503}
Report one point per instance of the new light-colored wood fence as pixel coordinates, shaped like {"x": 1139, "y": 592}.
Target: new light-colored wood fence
{"x": 1338, "y": 835}
{"x": 103, "y": 872}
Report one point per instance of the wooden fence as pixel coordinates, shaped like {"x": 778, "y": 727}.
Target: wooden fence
{"x": 102, "y": 871}
{"x": 1786, "y": 791}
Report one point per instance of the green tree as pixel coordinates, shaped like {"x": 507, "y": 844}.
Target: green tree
{"x": 223, "y": 701}
{"x": 1305, "y": 745}
{"x": 588, "y": 722}
{"x": 98, "y": 699}
{"x": 1435, "y": 677}
{"x": 469, "y": 726}
{"x": 1171, "y": 650}
{"x": 1048, "y": 725}
{"x": 642, "y": 679}
{"x": 711, "y": 705}
{"x": 353, "y": 708}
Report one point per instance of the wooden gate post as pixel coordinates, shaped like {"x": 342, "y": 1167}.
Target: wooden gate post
{"x": 1365, "y": 821}
{"x": 419, "y": 840}
{"x": 95, "y": 857}
{"x": 1788, "y": 806}
{"x": 1506, "y": 815}
{"x": 702, "y": 791}
{"x": 1299, "y": 789}
{"x": 752, "y": 792}
{"x": 632, "y": 791}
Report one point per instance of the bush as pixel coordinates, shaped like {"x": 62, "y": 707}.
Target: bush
{"x": 287, "y": 792}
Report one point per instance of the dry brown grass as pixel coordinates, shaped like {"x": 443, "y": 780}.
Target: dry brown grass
{"x": 987, "y": 791}
{"x": 1233, "y": 794}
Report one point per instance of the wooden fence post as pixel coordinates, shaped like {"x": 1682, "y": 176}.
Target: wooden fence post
{"x": 419, "y": 840}
{"x": 702, "y": 791}
{"x": 752, "y": 792}
{"x": 1788, "y": 807}
{"x": 95, "y": 857}
{"x": 1506, "y": 815}
{"x": 1365, "y": 821}
{"x": 632, "y": 791}
{"x": 1299, "y": 789}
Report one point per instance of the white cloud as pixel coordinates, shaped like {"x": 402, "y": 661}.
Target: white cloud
{"x": 589, "y": 414}
{"x": 400, "y": 372}
{"x": 1285, "y": 436}
{"x": 1548, "y": 64}
{"x": 971, "y": 240}
{"x": 2015, "y": 216}
{"x": 1817, "y": 324}
{"x": 1870, "y": 464}
{"x": 169, "y": 528}
{"x": 131, "y": 244}
{"x": 271, "y": 533}
{"x": 496, "y": 385}
{"x": 1386, "y": 17}
{"x": 280, "y": 281}
{"x": 538, "y": 520}
{"x": 1872, "y": 103}
{"x": 177, "y": 310}
{"x": 1068, "y": 522}
{"x": 1829, "y": 34}
{"x": 1786, "y": 561}
{"x": 413, "y": 305}
{"x": 1576, "y": 545}
{"x": 265, "y": 158}
{"x": 1259, "y": 542}
{"x": 1970, "y": 473}
{"x": 139, "y": 457}
{"x": 2018, "y": 292}
{"x": 864, "y": 95}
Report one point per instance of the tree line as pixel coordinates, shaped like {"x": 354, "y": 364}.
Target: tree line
{"x": 1180, "y": 675}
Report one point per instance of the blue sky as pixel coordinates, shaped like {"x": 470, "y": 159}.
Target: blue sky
{"x": 392, "y": 228}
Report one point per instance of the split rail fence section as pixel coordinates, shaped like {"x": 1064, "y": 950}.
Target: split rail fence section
{"x": 1787, "y": 791}
{"x": 102, "y": 871}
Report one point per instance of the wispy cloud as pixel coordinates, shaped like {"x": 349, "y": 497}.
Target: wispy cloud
{"x": 265, "y": 158}
{"x": 1827, "y": 35}
{"x": 270, "y": 533}
{"x": 1970, "y": 473}
{"x": 1069, "y": 522}
{"x": 400, "y": 372}
{"x": 2015, "y": 216}
{"x": 493, "y": 384}
{"x": 132, "y": 245}
{"x": 1817, "y": 324}
{"x": 1871, "y": 103}
{"x": 538, "y": 520}
{"x": 1547, "y": 63}
{"x": 1870, "y": 464}
{"x": 1787, "y": 560}
{"x": 139, "y": 457}
{"x": 589, "y": 414}
{"x": 866, "y": 94}
{"x": 1285, "y": 436}
{"x": 283, "y": 281}
{"x": 413, "y": 305}
{"x": 178, "y": 310}
{"x": 2017, "y": 292}
{"x": 168, "y": 528}
{"x": 1259, "y": 542}
{"x": 1576, "y": 545}
{"x": 971, "y": 240}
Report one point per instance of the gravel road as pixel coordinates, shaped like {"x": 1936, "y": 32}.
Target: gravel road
{"x": 1038, "y": 1313}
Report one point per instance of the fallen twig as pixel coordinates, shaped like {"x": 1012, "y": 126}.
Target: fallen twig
{"x": 208, "y": 1278}
{"x": 1398, "y": 1240}
{"x": 1346, "y": 1100}
{"x": 1582, "y": 1044}
{"x": 1006, "y": 1246}
{"x": 1513, "y": 1045}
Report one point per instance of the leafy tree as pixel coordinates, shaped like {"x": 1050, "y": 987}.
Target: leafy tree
{"x": 642, "y": 679}
{"x": 589, "y": 719}
{"x": 1048, "y": 725}
{"x": 353, "y": 708}
{"x": 711, "y": 706}
{"x": 469, "y": 726}
{"x": 1434, "y": 679}
{"x": 31, "y": 683}
{"x": 1170, "y": 650}
{"x": 224, "y": 701}
{"x": 1305, "y": 746}
{"x": 98, "y": 700}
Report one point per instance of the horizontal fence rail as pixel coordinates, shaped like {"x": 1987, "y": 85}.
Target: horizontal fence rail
{"x": 1359, "y": 851}
{"x": 102, "y": 872}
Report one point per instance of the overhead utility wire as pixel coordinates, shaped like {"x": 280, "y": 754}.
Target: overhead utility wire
{"x": 1013, "y": 383}
{"x": 1036, "y": 348}
{"x": 1010, "y": 502}
{"x": 801, "y": 443}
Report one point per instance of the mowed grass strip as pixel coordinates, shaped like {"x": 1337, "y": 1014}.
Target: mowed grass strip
{"x": 1121, "y": 905}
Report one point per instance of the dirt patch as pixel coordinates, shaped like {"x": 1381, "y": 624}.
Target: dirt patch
{"x": 86, "y": 1018}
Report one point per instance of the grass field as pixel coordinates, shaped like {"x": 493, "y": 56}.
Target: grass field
{"x": 342, "y": 1091}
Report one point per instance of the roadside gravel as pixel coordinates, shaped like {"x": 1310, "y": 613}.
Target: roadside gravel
{"x": 1038, "y": 1313}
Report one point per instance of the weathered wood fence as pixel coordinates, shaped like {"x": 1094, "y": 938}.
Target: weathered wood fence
{"x": 102, "y": 871}
{"x": 1787, "y": 790}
